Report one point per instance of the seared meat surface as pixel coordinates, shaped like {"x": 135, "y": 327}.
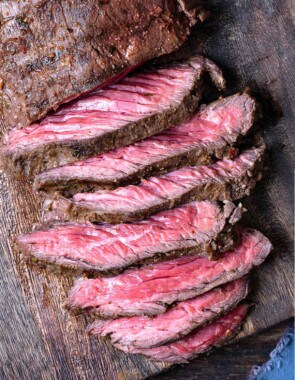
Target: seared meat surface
{"x": 53, "y": 51}
{"x": 151, "y": 289}
{"x": 204, "y": 227}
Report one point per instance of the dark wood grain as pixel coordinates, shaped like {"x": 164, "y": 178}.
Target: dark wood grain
{"x": 234, "y": 362}
{"x": 253, "y": 42}
{"x": 20, "y": 340}
{"x": 71, "y": 353}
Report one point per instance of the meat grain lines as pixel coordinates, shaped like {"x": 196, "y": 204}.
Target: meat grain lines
{"x": 242, "y": 54}
{"x": 259, "y": 65}
{"x": 144, "y": 332}
{"x": 143, "y": 291}
{"x": 79, "y": 50}
{"x": 196, "y": 232}
{"x": 206, "y": 228}
{"x": 138, "y": 107}
{"x": 212, "y": 133}
{"x": 200, "y": 341}
{"x": 223, "y": 180}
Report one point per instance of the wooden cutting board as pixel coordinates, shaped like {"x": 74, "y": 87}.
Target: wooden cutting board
{"x": 252, "y": 42}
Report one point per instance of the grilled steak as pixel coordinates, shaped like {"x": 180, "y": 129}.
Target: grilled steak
{"x": 198, "y": 342}
{"x": 228, "y": 179}
{"x": 209, "y": 134}
{"x": 151, "y": 289}
{"x": 52, "y": 52}
{"x": 177, "y": 322}
{"x": 203, "y": 227}
{"x": 135, "y": 108}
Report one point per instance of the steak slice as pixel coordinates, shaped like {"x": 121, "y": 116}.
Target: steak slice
{"x": 175, "y": 323}
{"x": 53, "y": 51}
{"x": 195, "y": 227}
{"x": 151, "y": 289}
{"x": 209, "y": 134}
{"x": 198, "y": 342}
{"x": 228, "y": 179}
{"x": 135, "y": 108}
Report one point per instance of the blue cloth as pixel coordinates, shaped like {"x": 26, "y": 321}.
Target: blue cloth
{"x": 281, "y": 363}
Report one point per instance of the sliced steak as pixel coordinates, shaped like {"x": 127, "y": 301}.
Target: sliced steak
{"x": 209, "y": 134}
{"x": 151, "y": 289}
{"x": 228, "y": 179}
{"x": 54, "y": 51}
{"x": 134, "y": 108}
{"x": 203, "y": 227}
{"x": 177, "y": 322}
{"x": 198, "y": 342}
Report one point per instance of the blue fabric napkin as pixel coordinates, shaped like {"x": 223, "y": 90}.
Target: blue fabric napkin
{"x": 281, "y": 363}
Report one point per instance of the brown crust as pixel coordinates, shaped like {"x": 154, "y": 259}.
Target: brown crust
{"x": 70, "y": 49}
{"x": 68, "y": 267}
{"x": 195, "y": 156}
{"x": 67, "y": 209}
{"x": 68, "y": 187}
{"x": 20, "y": 164}
{"x": 192, "y": 8}
{"x": 184, "y": 333}
{"x": 94, "y": 312}
{"x": 214, "y": 346}
{"x": 239, "y": 270}
{"x": 223, "y": 241}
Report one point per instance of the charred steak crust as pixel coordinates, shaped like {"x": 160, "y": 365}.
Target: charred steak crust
{"x": 200, "y": 341}
{"x": 27, "y": 159}
{"x": 176, "y": 322}
{"x": 224, "y": 180}
{"x": 55, "y": 51}
{"x": 152, "y": 289}
{"x": 192, "y": 8}
{"x": 210, "y": 134}
{"x": 205, "y": 228}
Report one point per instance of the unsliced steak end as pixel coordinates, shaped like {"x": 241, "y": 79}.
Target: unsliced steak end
{"x": 176, "y": 322}
{"x": 208, "y": 135}
{"x": 133, "y": 109}
{"x": 151, "y": 289}
{"x": 204, "y": 227}
{"x": 226, "y": 179}
{"x": 61, "y": 50}
{"x": 199, "y": 341}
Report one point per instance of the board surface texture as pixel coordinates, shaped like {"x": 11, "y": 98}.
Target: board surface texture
{"x": 252, "y": 42}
